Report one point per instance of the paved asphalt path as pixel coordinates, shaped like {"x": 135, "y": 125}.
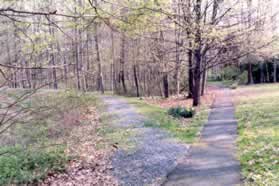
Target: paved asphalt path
{"x": 212, "y": 162}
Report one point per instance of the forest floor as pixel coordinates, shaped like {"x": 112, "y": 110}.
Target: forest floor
{"x": 212, "y": 160}
{"x": 54, "y": 140}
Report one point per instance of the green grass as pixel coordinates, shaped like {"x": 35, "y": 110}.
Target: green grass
{"x": 158, "y": 117}
{"x": 258, "y": 117}
{"x": 36, "y": 144}
{"x": 225, "y": 83}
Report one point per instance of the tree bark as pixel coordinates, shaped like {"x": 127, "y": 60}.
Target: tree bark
{"x": 262, "y": 76}
{"x": 177, "y": 50}
{"x": 76, "y": 49}
{"x": 190, "y": 74}
{"x": 204, "y": 77}
{"x": 100, "y": 83}
{"x": 250, "y": 74}
{"x": 122, "y": 63}
{"x": 274, "y": 70}
{"x": 136, "y": 80}
{"x": 52, "y": 61}
{"x": 197, "y": 56}
{"x": 166, "y": 85}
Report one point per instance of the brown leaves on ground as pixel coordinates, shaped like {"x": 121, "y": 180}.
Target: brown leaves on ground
{"x": 182, "y": 100}
{"x": 91, "y": 164}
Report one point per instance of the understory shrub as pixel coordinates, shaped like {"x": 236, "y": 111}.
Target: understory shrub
{"x": 20, "y": 166}
{"x": 231, "y": 76}
{"x": 181, "y": 112}
{"x": 230, "y": 73}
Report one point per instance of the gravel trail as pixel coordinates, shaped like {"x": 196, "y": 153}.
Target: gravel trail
{"x": 156, "y": 153}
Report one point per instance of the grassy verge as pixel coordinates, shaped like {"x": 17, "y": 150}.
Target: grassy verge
{"x": 225, "y": 83}
{"x": 42, "y": 140}
{"x": 258, "y": 116}
{"x": 158, "y": 117}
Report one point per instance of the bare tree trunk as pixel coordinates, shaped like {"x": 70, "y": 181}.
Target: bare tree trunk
{"x": 52, "y": 61}
{"x": 21, "y": 72}
{"x": 262, "y": 76}
{"x": 204, "y": 76}
{"x": 177, "y": 50}
{"x": 166, "y": 85}
{"x": 100, "y": 83}
{"x": 190, "y": 74}
{"x": 274, "y": 70}
{"x": 122, "y": 63}
{"x": 197, "y": 56}
{"x": 113, "y": 81}
{"x": 135, "y": 54}
{"x": 10, "y": 74}
{"x": 267, "y": 73}
{"x": 76, "y": 55}
{"x": 27, "y": 73}
{"x": 250, "y": 74}
{"x": 186, "y": 8}
{"x": 87, "y": 62}
{"x": 136, "y": 80}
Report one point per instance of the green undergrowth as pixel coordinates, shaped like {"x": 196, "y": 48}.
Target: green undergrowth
{"x": 35, "y": 145}
{"x": 187, "y": 131}
{"x": 258, "y": 141}
{"x": 225, "y": 83}
{"x": 18, "y": 165}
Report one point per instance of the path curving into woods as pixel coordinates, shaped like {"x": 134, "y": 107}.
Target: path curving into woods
{"x": 155, "y": 155}
{"x": 212, "y": 162}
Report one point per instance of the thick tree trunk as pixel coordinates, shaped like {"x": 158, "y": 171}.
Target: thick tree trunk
{"x": 166, "y": 85}
{"x": 190, "y": 74}
{"x": 197, "y": 56}
{"x": 197, "y": 78}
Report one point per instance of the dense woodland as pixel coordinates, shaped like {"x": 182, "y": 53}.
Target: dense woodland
{"x": 183, "y": 58}
{"x": 140, "y": 48}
